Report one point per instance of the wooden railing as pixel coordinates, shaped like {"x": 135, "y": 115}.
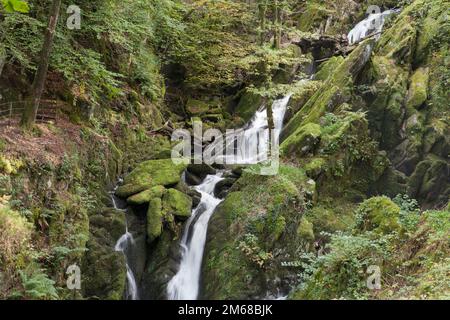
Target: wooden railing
{"x": 47, "y": 112}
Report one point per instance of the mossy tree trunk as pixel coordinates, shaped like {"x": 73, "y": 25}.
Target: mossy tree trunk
{"x": 262, "y": 11}
{"x": 30, "y": 111}
{"x": 277, "y": 25}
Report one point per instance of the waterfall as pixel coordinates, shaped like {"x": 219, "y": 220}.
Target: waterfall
{"x": 123, "y": 244}
{"x": 373, "y": 24}
{"x": 185, "y": 284}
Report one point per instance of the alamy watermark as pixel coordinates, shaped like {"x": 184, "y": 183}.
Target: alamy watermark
{"x": 74, "y": 277}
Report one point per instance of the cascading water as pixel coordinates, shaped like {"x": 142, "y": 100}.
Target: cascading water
{"x": 185, "y": 284}
{"x": 373, "y": 24}
{"x": 123, "y": 244}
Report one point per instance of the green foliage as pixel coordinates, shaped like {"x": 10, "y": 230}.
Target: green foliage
{"x": 15, "y": 5}
{"x": 250, "y": 248}
{"x": 409, "y": 212}
{"x": 341, "y": 273}
{"x": 38, "y": 286}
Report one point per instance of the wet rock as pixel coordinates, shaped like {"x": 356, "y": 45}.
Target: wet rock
{"x": 222, "y": 187}
{"x": 192, "y": 179}
{"x": 201, "y": 170}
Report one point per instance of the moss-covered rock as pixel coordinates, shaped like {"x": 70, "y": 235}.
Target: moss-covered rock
{"x": 328, "y": 68}
{"x": 248, "y": 104}
{"x": 302, "y": 141}
{"x": 379, "y": 214}
{"x": 334, "y": 92}
{"x": 147, "y": 195}
{"x": 196, "y": 108}
{"x": 418, "y": 88}
{"x": 305, "y": 230}
{"x": 430, "y": 181}
{"x": 103, "y": 269}
{"x": 177, "y": 203}
{"x": 258, "y": 218}
{"x": 149, "y": 174}
{"x": 154, "y": 219}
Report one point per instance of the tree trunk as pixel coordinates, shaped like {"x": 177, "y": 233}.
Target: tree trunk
{"x": 262, "y": 7}
{"x": 2, "y": 59}
{"x": 277, "y": 36}
{"x": 29, "y": 114}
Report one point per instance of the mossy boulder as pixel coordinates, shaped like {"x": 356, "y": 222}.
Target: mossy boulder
{"x": 301, "y": 91}
{"x": 154, "y": 219}
{"x": 334, "y": 92}
{"x": 328, "y": 68}
{"x": 379, "y": 214}
{"x": 430, "y": 181}
{"x": 302, "y": 141}
{"x": 196, "y": 108}
{"x": 147, "y": 195}
{"x": 177, "y": 203}
{"x": 103, "y": 269}
{"x": 305, "y": 230}
{"x": 248, "y": 104}
{"x": 258, "y": 217}
{"x": 418, "y": 88}
{"x": 149, "y": 174}
{"x": 315, "y": 167}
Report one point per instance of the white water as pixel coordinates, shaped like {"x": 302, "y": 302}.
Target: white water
{"x": 185, "y": 284}
{"x": 373, "y": 24}
{"x": 122, "y": 245}
{"x": 255, "y": 145}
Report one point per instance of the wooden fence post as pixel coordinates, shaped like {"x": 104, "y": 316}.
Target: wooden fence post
{"x": 10, "y": 113}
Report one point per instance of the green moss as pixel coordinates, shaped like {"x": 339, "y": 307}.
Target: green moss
{"x": 302, "y": 141}
{"x": 197, "y": 108}
{"x": 312, "y": 16}
{"x": 146, "y": 196}
{"x": 259, "y": 216}
{"x": 305, "y": 230}
{"x": 315, "y": 167}
{"x": 331, "y": 215}
{"x": 149, "y": 174}
{"x": 328, "y": 68}
{"x": 177, "y": 204}
{"x": 418, "y": 88}
{"x": 154, "y": 219}
{"x": 379, "y": 214}
{"x": 15, "y": 235}
{"x": 103, "y": 269}
{"x": 248, "y": 104}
